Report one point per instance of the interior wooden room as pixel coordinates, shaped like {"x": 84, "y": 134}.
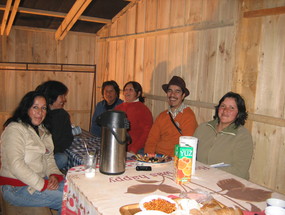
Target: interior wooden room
{"x": 216, "y": 46}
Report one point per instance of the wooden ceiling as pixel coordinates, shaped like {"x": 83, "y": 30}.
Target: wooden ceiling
{"x": 86, "y": 16}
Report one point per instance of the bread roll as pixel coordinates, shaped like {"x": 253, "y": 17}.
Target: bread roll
{"x": 238, "y": 211}
{"x": 227, "y": 211}
{"x": 215, "y": 208}
{"x": 210, "y": 207}
{"x": 195, "y": 212}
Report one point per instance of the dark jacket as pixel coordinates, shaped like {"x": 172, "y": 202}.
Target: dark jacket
{"x": 99, "y": 109}
{"x": 61, "y": 130}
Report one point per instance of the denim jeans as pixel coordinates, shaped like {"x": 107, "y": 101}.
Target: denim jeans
{"x": 60, "y": 160}
{"x": 20, "y": 196}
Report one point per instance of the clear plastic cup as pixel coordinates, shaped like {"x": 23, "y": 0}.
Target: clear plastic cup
{"x": 90, "y": 165}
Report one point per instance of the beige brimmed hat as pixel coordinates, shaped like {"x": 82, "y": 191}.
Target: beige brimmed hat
{"x": 176, "y": 80}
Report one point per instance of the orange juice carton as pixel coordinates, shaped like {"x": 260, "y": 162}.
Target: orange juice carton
{"x": 190, "y": 141}
{"x": 183, "y": 166}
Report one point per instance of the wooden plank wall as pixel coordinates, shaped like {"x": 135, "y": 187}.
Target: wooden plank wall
{"x": 32, "y": 45}
{"x": 261, "y": 78}
{"x": 157, "y": 39}
{"x": 215, "y": 48}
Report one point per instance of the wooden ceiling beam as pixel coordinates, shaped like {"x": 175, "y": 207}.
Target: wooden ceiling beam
{"x": 264, "y": 12}
{"x": 5, "y": 16}
{"x": 71, "y": 17}
{"x": 57, "y": 14}
{"x": 12, "y": 17}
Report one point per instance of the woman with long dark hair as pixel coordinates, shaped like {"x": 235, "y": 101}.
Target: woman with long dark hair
{"x": 138, "y": 114}
{"x": 29, "y": 174}
{"x": 225, "y": 139}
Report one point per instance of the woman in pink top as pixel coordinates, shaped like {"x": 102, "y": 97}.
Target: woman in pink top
{"x": 138, "y": 114}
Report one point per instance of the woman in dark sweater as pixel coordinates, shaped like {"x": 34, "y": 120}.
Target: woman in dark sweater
{"x": 61, "y": 130}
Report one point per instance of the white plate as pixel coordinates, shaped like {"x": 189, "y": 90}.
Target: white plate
{"x": 276, "y": 202}
{"x": 274, "y": 210}
{"x": 152, "y": 197}
{"x": 150, "y": 212}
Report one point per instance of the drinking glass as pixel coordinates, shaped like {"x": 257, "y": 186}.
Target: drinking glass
{"x": 90, "y": 165}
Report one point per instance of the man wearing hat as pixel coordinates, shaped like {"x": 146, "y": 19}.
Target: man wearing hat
{"x": 178, "y": 120}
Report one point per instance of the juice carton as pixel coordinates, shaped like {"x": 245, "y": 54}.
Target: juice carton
{"x": 190, "y": 141}
{"x": 183, "y": 165}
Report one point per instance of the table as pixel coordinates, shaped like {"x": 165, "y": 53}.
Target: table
{"x": 105, "y": 194}
{"x": 77, "y": 150}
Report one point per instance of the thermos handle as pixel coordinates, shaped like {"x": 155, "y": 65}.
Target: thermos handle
{"x": 128, "y": 137}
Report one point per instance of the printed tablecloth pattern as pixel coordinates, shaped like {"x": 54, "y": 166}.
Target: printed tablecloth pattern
{"x": 105, "y": 194}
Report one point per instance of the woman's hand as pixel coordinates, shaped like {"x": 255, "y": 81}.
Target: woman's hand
{"x": 52, "y": 183}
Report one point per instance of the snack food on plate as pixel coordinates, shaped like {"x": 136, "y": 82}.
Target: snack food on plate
{"x": 160, "y": 205}
{"x": 152, "y": 159}
{"x": 214, "y": 208}
{"x": 210, "y": 207}
{"x": 150, "y": 213}
{"x": 188, "y": 204}
{"x": 185, "y": 206}
{"x": 195, "y": 212}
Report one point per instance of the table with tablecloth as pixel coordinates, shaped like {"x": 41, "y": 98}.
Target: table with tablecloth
{"x": 77, "y": 151}
{"x": 106, "y": 194}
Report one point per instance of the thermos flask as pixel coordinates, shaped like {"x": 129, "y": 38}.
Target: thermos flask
{"x": 114, "y": 139}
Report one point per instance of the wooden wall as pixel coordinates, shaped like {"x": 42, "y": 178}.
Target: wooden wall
{"x": 260, "y": 77}
{"x": 216, "y": 46}
{"x": 34, "y": 46}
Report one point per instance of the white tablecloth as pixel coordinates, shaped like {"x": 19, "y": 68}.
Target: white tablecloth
{"x": 105, "y": 194}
